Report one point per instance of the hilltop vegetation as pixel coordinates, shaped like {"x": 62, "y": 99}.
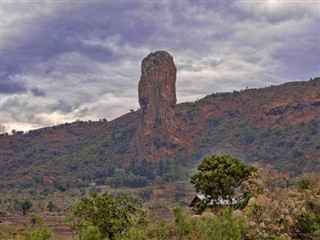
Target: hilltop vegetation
{"x": 278, "y": 125}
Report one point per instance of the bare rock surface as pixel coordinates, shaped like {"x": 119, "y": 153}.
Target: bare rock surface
{"x": 157, "y": 92}
{"x": 157, "y": 98}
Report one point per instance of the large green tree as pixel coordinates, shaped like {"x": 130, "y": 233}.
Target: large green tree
{"x": 218, "y": 176}
{"x": 107, "y": 216}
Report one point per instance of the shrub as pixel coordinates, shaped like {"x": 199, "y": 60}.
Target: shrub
{"x": 35, "y": 220}
{"x": 42, "y": 233}
{"x": 182, "y": 223}
{"x": 91, "y": 233}
{"x": 307, "y": 222}
{"x": 52, "y": 207}
{"x": 146, "y": 193}
{"x": 221, "y": 227}
{"x": 134, "y": 234}
{"x": 26, "y": 206}
{"x": 111, "y": 215}
{"x": 60, "y": 185}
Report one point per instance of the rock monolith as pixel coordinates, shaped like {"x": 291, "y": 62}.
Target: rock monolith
{"x": 157, "y": 98}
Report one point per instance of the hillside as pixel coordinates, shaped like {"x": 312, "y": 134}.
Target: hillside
{"x": 278, "y": 125}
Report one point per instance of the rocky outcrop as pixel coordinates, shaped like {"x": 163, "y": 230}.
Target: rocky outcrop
{"x": 157, "y": 92}
{"x": 156, "y": 131}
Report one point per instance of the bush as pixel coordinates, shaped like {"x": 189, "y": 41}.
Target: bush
{"x": 182, "y": 223}
{"x": 307, "y": 222}
{"x": 60, "y": 185}
{"x": 25, "y": 206}
{"x": 52, "y": 207}
{"x": 161, "y": 231}
{"x": 42, "y": 233}
{"x": 91, "y": 233}
{"x": 123, "y": 179}
{"x": 134, "y": 234}
{"x": 314, "y": 207}
{"x": 223, "y": 227}
{"x": 111, "y": 215}
{"x": 35, "y": 220}
{"x": 146, "y": 193}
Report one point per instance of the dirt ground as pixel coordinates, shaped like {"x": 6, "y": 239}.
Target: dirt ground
{"x": 160, "y": 207}
{"x": 17, "y": 223}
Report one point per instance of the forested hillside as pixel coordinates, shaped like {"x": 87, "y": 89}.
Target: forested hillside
{"x": 277, "y": 125}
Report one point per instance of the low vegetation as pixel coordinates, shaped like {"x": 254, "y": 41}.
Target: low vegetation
{"x": 269, "y": 206}
{"x": 107, "y": 216}
{"x": 34, "y": 230}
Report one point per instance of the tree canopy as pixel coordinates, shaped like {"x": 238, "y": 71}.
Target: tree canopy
{"x": 218, "y": 176}
{"x": 107, "y": 216}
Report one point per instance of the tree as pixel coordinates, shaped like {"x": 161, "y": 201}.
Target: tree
{"x": 218, "y": 176}
{"x": 35, "y": 220}
{"x": 26, "y": 206}
{"x": 108, "y": 214}
{"x": 52, "y": 207}
{"x": 60, "y": 185}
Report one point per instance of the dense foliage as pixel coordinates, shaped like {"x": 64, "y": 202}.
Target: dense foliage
{"x": 106, "y": 216}
{"x": 219, "y": 176}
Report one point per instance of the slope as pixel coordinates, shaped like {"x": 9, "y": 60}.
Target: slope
{"x": 278, "y": 125}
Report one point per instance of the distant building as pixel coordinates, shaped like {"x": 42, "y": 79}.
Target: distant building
{"x": 220, "y": 201}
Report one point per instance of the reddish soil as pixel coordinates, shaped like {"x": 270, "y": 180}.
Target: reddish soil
{"x": 18, "y": 223}
{"x": 160, "y": 207}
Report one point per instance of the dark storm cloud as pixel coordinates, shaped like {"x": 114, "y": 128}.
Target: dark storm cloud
{"x": 84, "y": 57}
{"x": 12, "y": 87}
{"x": 63, "y": 32}
{"x": 38, "y": 92}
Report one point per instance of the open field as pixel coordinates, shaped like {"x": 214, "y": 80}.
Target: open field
{"x": 163, "y": 199}
{"x": 17, "y": 223}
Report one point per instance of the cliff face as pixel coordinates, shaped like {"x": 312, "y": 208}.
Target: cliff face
{"x": 156, "y": 133}
{"x": 157, "y": 92}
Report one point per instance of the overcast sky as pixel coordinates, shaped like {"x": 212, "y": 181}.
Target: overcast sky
{"x": 68, "y": 60}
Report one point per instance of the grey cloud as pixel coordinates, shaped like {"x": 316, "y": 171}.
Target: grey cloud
{"x": 61, "y": 32}
{"x": 215, "y": 63}
{"x": 12, "y": 87}
{"x": 61, "y": 106}
{"x": 189, "y": 65}
{"x": 3, "y": 128}
{"x": 83, "y": 112}
{"x": 12, "y": 104}
{"x": 279, "y": 11}
{"x": 87, "y": 56}
{"x": 65, "y": 31}
{"x": 38, "y": 92}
